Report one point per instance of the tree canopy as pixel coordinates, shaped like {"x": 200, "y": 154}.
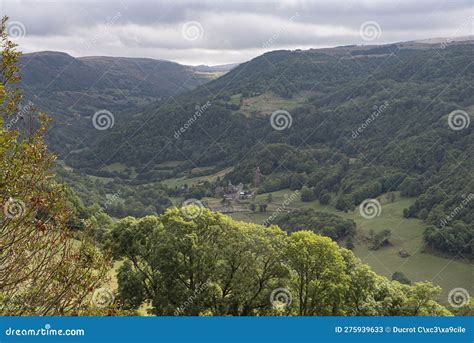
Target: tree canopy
{"x": 214, "y": 265}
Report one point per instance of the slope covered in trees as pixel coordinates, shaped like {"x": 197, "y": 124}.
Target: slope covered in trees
{"x": 72, "y": 89}
{"x": 370, "y": 122}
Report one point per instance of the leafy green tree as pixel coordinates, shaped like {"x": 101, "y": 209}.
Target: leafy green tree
{"x": 214, "y": 265}
{"x": 131, "y": 291}
{"x": 436, "y": 215}
{"x": 307, "y": 194}
{"x": 410, "y": 187}
{"x": 420, "y": 300}
{"x": 317, "y": 274}
{"x": 207, "y": 265}
{"x": 359, "y": 297}
{"x": 344, "y": 202}
{"x": 423, "y": 214}
{"x": 379, "y": 239}
{"x": 324, "y": 199}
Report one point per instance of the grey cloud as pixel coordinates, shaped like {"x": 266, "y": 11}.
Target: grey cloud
{"x": 232, "y": 30}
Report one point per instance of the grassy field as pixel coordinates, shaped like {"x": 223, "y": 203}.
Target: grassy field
{"x": 117, "y": 167}
{"x": 267, "y": 103}
{"x": 235, "y": 99}
{"x": 178, "y": 182}
{"x": 211, "y": 75}
{"x": 407, "y": 234}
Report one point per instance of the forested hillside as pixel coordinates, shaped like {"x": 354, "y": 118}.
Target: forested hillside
{"x": 72, "y": 89}
{"x": 357, "y": 122}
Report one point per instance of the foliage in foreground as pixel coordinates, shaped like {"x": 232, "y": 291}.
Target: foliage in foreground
{"x": 214, "y": 265}
{"x": 43, "y": 271}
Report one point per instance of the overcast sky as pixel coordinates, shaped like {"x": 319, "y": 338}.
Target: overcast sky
{"x": 218, "y": 32}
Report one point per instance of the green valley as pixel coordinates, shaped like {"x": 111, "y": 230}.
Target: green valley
{"x": 301, "y": 182}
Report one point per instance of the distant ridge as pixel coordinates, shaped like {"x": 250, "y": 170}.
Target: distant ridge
{"x": 72, "y": 89}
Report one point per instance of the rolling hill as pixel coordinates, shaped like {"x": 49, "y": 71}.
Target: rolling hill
{"x": 72, "y": 89}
